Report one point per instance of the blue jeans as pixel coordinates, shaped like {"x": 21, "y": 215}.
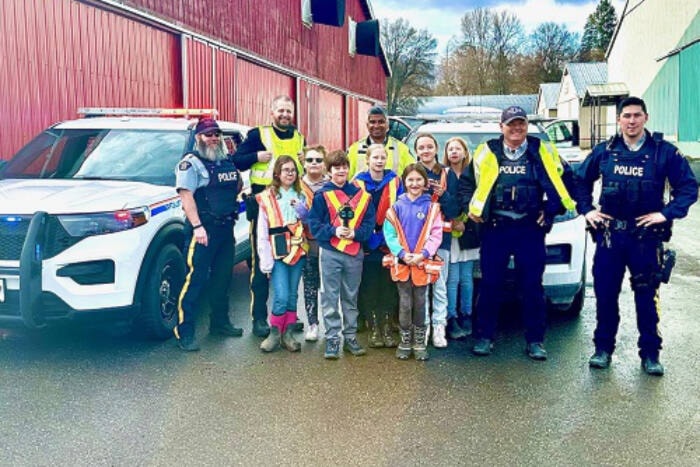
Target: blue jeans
{"x": 460, "y": 277}
{"x": 439, "y": 293}
{"x": 285, "y": 286}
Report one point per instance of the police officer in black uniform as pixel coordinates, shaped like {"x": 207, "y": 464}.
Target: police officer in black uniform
{"x": 630, "y": 225}
{"x": 514, "y": 188}
{"x": 208, "y": 183}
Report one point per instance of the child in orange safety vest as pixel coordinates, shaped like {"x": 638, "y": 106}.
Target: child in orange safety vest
{"x": 413, "y": 232}
{"x": 282, "y": 247}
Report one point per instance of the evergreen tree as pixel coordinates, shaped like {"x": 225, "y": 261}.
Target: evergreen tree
{"x": 598, "y": 32}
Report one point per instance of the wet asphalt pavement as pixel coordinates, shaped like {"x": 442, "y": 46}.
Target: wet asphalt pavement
{"x": 98, "y": 396}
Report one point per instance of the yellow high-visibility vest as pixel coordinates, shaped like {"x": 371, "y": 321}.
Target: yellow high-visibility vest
{"x": 261, "y": 172}
{"x": 486, "y": 173}
{"x": 398, "y": 156}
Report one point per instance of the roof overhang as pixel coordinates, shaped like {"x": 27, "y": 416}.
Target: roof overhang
{"x": 604, "y": 94}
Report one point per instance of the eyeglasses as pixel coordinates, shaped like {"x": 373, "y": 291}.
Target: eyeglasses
{"x": 317, "y": 160}
{"x": 289, "y": 171}
{"x": 216, "y": 134}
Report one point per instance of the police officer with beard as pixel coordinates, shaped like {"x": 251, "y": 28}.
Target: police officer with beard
{"x": 208, "y": 183}
{"x": 630, "y": 225}
{"x": 514, "y": 188}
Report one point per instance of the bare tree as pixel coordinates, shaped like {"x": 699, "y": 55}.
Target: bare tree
{"x": 551, "y": 47}
{"x": 490, "y": 42}
{"x": 411, "y": 55}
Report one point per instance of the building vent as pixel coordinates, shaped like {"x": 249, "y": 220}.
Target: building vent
{"x": 367, "y": 36}
{"x": 330, "y": 12}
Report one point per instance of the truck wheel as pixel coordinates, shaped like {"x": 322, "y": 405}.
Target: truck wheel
{"x": 166, "y": 275}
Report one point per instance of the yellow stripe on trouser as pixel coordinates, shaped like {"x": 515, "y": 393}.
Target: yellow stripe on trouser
{"x": 253, "y": 254}
{"x": 186, "y": 285}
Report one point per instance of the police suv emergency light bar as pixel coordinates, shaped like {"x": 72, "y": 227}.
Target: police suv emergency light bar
{"x": 132, "y": 111}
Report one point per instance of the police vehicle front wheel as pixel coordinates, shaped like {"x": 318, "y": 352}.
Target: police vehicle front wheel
{"x": 159, "y": 300}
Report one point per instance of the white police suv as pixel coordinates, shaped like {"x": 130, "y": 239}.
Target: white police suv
{"x": 565, "y": 272}
{"x": 90, "y": 224}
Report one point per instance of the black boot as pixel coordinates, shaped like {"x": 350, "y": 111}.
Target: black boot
{"x": 420, "y": 351}
{"x": 403, "y": 351}
{"x": 388, "y": 334}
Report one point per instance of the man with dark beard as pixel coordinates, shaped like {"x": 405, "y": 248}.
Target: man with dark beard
{"x": 258, "y": 152}
{"x": 208, "y": 183}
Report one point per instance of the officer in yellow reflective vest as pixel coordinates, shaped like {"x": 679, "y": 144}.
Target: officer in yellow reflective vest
{"x": 398, "y": 154}
{"x": 258, "y": 153}
{"x": 514, "y": 187}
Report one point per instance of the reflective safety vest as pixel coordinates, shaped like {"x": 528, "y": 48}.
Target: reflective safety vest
{"x": 287, "y": 240}
{"x": 426, "y": 272}
{"x": 261, "y": 172}
{"x": 387, "y": 198}
{"x": 486, "y": 173}
{"x": 398, "y": 156}
{"x": 336, "y": 200}
{"x": 309, "y": 195}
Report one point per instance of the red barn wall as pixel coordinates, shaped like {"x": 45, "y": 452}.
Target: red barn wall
{"x": 58, "y": 55}
{"x": 273, "y": 29}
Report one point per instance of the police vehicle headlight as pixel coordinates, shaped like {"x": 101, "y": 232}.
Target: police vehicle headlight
{"x": 567, "y": 216}
{"x": 100, "y": 223}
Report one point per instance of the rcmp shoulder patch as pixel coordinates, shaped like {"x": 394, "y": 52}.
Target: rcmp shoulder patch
{"x": 184, "y": 165}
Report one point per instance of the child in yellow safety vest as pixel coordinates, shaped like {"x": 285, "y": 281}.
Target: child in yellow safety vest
{"x": 282, "y": 248}
{"x": 413, "y": 232}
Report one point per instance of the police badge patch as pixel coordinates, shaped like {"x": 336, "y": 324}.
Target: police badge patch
{"x": 184, "y": 165}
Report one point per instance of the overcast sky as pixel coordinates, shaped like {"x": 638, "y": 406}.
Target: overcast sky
{"x": 442, "y": 17}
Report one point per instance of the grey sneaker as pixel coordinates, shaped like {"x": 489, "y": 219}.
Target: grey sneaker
{"x": 332, "y": 349}
{"x": 351, "y": 345}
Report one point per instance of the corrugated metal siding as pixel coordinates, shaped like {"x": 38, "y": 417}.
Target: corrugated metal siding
{"x": 225, "y": 84}
{"x": 330, "y": 118}
{"x": 273, "y": 29}
{"x": 103, "y": 60}
{"x": 255, "y": 88}
{"x": 688, "y": 121}
{"x": 662, "y": 99}
{"x": 200, "y": 59}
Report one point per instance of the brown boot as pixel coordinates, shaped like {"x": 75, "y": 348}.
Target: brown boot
{"x": 388, "y": 334}
{"x": 288, "y": 340}
{"x": 375, "y": 339}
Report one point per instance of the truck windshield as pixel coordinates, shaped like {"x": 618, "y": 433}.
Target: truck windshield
{"x": 136, "y": 155}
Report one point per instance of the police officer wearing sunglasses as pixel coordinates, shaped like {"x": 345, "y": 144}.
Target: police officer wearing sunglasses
{"x": 208, "y": 183}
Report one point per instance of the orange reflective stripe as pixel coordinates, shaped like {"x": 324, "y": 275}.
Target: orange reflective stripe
{"x": 297, "y": 244}
{"x": 309, "y": 195}
{"x": 335, "y": 200}
{"x": 269, "y": 203}
{"x": 420, "y": 275}
{"x": 388, "y": 199}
